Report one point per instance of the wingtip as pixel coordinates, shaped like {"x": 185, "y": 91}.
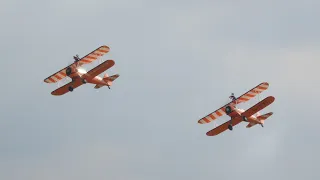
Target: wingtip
{"x": 272, "y": 97}
{"x": 209, "y": 134}
{"x": 111, "y": 60}
{"x": 105, "y": 46}
{"x": 54, "y": 93}
{"x": 200, "y": 121}
{"x": 46, "y": 80}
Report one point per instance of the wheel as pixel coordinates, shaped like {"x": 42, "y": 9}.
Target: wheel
{"x": 84, "y": 81}
{"x": 230, "y": 127}
{"x": 228, "y": 110}
{"x": 68, "y": 71}
{"x": 244, "y": 118}
{"x": 70, "y": 88}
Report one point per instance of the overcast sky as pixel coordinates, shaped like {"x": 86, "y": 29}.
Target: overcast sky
{"x": 178, "y": 61}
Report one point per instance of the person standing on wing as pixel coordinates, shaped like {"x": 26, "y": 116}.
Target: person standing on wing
{"x": 76, "y": 58}
{"x": 233, "y": 98}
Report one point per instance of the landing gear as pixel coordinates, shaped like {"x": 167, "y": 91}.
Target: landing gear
{"x": 109, "y": 87}
{"x": 70, "y": 88}
{"x": 230, "y": 127}
{"x": 244, "y": 118}
{"x": 84, "y": 81}
{"x": 228, "y": 110}
{"x": 261, "y": 125}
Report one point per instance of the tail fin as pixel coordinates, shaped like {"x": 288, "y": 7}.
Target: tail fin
{"x": 261, "y": 118}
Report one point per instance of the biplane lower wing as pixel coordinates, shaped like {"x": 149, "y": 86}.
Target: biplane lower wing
{"x": 223, "y": 127}
{"x": 100, "y": 69}
{"x": 64, "y": 89}
{"x": 243, "y": 98}
{"x": 259, "y": 106}
{"x": 94, "y": 55}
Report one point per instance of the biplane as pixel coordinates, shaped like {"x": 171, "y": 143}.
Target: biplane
{"x": 80, "y": 76}
{"x": 252, "y": 115}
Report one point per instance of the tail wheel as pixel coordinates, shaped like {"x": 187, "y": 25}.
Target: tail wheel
{"x": 228, "y": 110}
{"x": 230, "y": 127}
{"x": 70, "y": 88}
{"x": 244, "y": 118}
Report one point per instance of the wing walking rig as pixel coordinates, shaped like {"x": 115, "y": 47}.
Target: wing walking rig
{"x": 79, "y": 76}
{"x": 251, "y": 115}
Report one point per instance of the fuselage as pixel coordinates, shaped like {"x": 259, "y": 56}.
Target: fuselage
{"x": 81, "y": 73}
{"x": 237, "y": 113}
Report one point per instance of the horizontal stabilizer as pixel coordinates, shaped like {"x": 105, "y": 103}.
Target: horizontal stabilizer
{"x": 265, "y": 116}
{"x": 261, "y": 118}
{"x": 98, "y": 86}
{"x": 111, "y": 78}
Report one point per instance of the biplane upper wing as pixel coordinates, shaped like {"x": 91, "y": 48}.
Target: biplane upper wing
{"x": 212, "y": 116}
{"x": 100, "y": 69}
{"x": 223, "y": 127}
{"x": 243, "y": 98}
{"x": 259, "y": 106}
{"x": 252, "y": 92}
{"x": 64, "y": 89}
{"x": 94, "y": 55}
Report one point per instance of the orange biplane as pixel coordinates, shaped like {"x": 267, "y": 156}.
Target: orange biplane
{"x": 251, "y": 115}
{"x": 80, "y": 76}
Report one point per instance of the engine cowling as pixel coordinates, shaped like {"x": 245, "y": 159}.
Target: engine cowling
{"x": 70, "y": 71}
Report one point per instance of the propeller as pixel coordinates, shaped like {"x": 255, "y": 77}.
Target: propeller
{"x": 68, "y": 70}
